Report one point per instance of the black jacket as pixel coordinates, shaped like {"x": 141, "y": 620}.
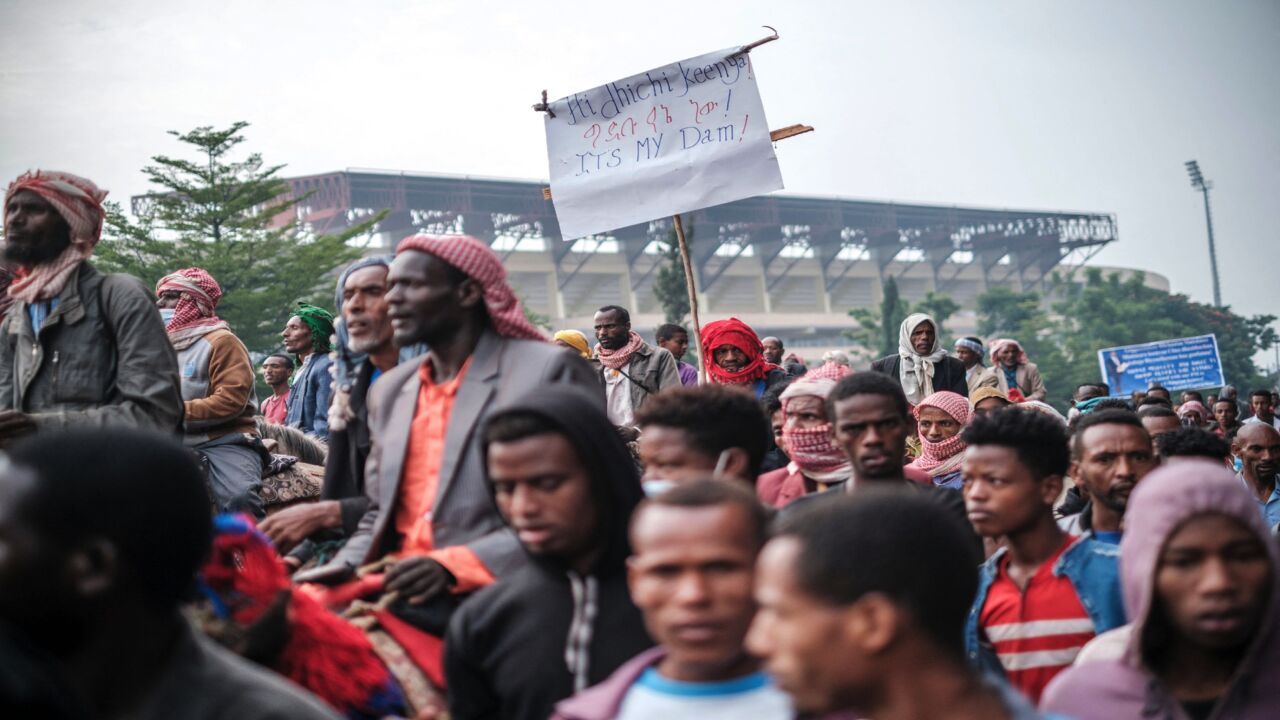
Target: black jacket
{"x": 505, "y": 651}
{"x": 948, "y": 374}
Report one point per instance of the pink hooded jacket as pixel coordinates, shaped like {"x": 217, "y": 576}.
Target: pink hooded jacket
{"x": 1125, "y": 688}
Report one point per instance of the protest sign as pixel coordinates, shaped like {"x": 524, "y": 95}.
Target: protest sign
{"x": 1178, "y": 364}
{"x": 674, "y": 139}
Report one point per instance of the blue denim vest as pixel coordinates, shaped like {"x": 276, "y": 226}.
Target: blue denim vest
{"x": 1093, "y": 569}
{"x": 308, "y": 408}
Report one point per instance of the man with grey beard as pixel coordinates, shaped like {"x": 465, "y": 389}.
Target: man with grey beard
{"x": 366, "y": 346}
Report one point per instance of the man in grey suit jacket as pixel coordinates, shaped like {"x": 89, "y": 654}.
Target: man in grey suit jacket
{"x": 429, "y": 503}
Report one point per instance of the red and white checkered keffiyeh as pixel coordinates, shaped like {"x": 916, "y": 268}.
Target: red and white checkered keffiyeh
{"x": 193, "y": 317}
{"x": 813, "y": 450}
{"x": 618, "y": 359}
{"x": 940, "y": 458}
{"x": 479, "y": 263}
{"x": 79, "y": 202}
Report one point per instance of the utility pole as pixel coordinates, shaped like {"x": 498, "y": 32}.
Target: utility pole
{"x": 1204, "y": 186}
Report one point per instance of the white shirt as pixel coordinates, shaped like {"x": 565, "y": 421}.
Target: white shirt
{"x": 753, "y": 696}
{"x": 617, "y": 391}
{"x": 1275, "y": 422}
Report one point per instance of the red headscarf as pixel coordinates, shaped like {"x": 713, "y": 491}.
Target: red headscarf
{"x": 740, "y": 335}
{"x": 79, "y": 202}
{"x": 479, "y": 263}
{"x": 193, "y": 317}
{"x": 940, "y": 458}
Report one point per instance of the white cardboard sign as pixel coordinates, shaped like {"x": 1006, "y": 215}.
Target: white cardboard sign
{"x": 674, "y": 139}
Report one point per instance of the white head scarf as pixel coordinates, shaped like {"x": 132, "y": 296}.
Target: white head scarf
{"x": 916, "y": 372}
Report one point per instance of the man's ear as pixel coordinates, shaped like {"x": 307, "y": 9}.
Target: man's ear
{"x": 93, "y": 567}
{"x": 738, "y": 464}
{"x": 872, "y": 623}
{"x": 1051, "y": 489}
{"x": 470, "y": 293}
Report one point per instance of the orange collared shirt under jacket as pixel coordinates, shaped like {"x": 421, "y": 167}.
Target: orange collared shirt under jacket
{"x": 421, "y": 481}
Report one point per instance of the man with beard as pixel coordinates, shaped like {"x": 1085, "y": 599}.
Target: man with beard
{"x": 362, "y": 304}
{"x": 1110, "y": 453}
{"x": 922, "y": 365}
{"x": 565, "y": 484}
{"x": 737, "y": 357}
{"x": 631, "y": 370}
{"x": 1257, "y": 445}
{"x": 80, "y": 348}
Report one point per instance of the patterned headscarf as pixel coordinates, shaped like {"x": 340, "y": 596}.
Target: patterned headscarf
{"x": 576, "y": 340}
{"x": 193, "y": 317}
{"x": 812, "y": 450}
{"x": 79, "y": 202}
{"x": 479, "y": 263}
{"x": 1001, "y": 344}
{"x": 321, "y": 323}
{"x": 940, "y": 458}
{"x": 733, "y": 331}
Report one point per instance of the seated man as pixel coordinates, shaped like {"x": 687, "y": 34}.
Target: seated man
{"x": 425, "y": 463}
{"x": 737, "y": 357}
{"x": 1044, "y": 589}
{"x": 94, "y": 578}
{"x": 862, "y": 609}
{"x": 276, "y": 369}
{"x": 817, "y": 463}
{"x": 700, "y": 432}
{"x": 566, "y": 486}
{"x": 367, "y": 342}
{"x": 1201, "y": 581}
{"x": 217, "y": 389}
{"x": 79, "y": 348}
{"x": 307, "y": 335}
{"x": 690, "y": 573}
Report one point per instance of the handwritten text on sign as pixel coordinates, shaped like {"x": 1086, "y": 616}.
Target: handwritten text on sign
{"x": 670, "y": 140}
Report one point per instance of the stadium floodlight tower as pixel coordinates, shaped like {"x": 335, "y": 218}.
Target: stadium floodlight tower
{"x": 1204, "y": 186}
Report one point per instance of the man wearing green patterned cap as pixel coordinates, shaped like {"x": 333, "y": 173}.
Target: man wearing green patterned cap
{"x": 306, "y": 335}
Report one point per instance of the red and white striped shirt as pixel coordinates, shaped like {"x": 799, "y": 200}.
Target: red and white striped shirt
{"x": 1037, "y": 631}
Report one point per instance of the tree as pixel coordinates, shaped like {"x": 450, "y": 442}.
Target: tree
{"x": 938, "y": 307}
{"x": 669, "y": 285}
{"x": 878, "y": 328}
{"x": 235, "y": 219}
{"x": 1104, "y": 311}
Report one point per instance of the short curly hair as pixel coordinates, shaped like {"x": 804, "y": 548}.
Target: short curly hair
{"x": 1040, "y": 441}
{"x": 714, "y": 418}
{"x": 1193, "y": 442}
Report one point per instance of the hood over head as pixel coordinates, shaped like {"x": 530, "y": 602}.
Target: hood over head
{"x": 616, "y": 488}
{"x": 1159, "y": 506}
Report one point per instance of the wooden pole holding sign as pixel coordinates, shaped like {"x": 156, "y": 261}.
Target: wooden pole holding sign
{"x": 611, "y": 219}
{"x": 692, "y": 287}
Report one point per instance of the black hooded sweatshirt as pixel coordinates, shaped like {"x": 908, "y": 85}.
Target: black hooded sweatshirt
{"x": 542, "y": 633}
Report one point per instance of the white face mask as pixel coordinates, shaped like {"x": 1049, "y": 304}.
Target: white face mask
{"x": 166, "y": 314}
{"x": 654, "y": 488}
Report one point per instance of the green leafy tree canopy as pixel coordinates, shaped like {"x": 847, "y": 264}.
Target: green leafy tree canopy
{"x": 669, "y": 284}
{"x": 232, "y": 215}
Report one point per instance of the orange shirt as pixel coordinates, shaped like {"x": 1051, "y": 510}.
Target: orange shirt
{"x": 421, "y": 481}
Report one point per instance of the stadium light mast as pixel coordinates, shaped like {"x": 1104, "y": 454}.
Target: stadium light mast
{"x": 1204, "y": 186}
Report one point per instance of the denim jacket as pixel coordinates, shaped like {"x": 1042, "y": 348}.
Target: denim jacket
{"x": 1094, "y": 571}
{"x": 309, "y": 397}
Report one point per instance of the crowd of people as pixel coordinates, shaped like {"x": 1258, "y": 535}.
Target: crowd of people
{"x": 482, "y": 520}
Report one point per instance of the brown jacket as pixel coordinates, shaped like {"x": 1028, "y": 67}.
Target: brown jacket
{"x": 1029, "y": 381}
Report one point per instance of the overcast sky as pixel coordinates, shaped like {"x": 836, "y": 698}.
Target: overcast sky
{"x": 1083, "y": 105}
